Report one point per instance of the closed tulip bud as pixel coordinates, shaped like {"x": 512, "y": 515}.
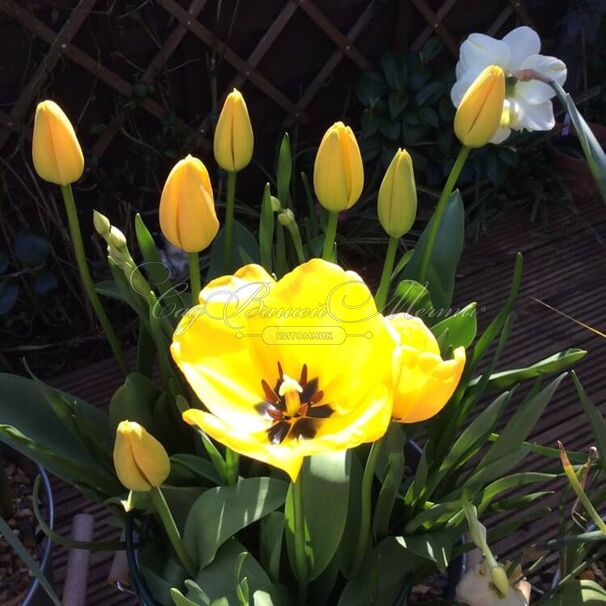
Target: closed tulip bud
{"x": 397, "y": 204}
{"x": 234, "y": 140}
{"x": 56, "y": 152}
{"x": 187, "y": 208}
{"x": 479, "y": 113}
{"x": 102, "y": 224}
{"x": 338, "y": 169}
{"x": 140, "y": 460}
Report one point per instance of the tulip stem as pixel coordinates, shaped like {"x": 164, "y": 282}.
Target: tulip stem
{"x": 300, "y": 557}
{"x": 229, "y": 220}
{"x": 329, "y": 237}
{"x": 87, "y": 281}
{"x": 168, "y": 522}
{"x": 365, "y": 518}
{"x": 194, "y": 277}
{"x": 390, "y": 257}
{"x": 455, "y": 171}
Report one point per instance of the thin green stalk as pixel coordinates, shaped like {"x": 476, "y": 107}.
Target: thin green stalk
{"x": 455, "y": 171}
{"x": 232, "y": 465}
{"x": 166, "y": 517}
{"x": 295, "y": 234}
{"x": 366, "y": 497}
{"x": 194, "y": 277}
{"x": 229, "y": 220}
{"x": 300, "y": 558}
{"x": 87, "y": 281}
{"x": 329, "y": 236}
{"x": 390, "y": 257}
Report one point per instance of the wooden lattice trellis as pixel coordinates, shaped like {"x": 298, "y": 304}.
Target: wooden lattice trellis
{"x": 186, "y": 19}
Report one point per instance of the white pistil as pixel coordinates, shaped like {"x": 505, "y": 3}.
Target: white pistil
{"x": 291, "y": 389}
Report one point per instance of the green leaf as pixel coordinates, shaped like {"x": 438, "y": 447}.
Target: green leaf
{"x": 266, "y": 229}
{"x": 577, "y": 593}
{"x": 188, "y": 469}
{"x": 390, "y": 129}
{"x": 431, "y": 48}
{"x": 382, "y": 576}
{"x": 458, "y": 330}
{"x": 596, "y": 420}
{"x": 434, "y": 546}
{"x": 349, "y": 541}
{"x": 221, "y": 512}
{"x": 284, "y": 172}
{"x": 180, "y": 600}
{"x": 445, "y": 255}
{"x": 134, "y": 401}
{"x": 246, "y": 250}
{"x": 396, "y": 102}
{"x": 555, "y": 363}
{"x": 219, "y": 579}
{"x": 393, "y": 71}
{"x": 521, "y": 424}
{"x": 370, "y": 88}
{"x": 270, "y": 543}
{"x": 160, "y": 571}
{"x": 33, "y": 566}
{"x": 370, "y": 123}
{"x": 512, "y": 482}
{"x": 327, "y": 475}
{"x": 412, "y": 298}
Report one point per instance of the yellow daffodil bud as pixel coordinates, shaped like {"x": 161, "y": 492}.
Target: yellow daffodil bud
{"x": 479, "y": 113}
{"x": 187, "y": 207}
{"x": 234, "y": 140}
{"x": 140, "y": 460}
{"x": 56, "y": 152}
{"x": 338, "y": 170}
{"x": 397, "y": 203}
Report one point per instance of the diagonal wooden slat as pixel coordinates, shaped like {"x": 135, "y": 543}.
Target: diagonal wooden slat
{"x": 518, "y": 7}
{"x": 156, "y": 64}
{"x": 436, "y": 25}
{"x": 428, "y": 31}
{"x": 326, "y": 25}
{"x": 334, "y": 60}
{"x": 257, "y": 55}
{"x": 209, "y": 38}
{"x": 70, "y": 28}
{"x": 87, "y": 62}
{"x": 499, "y": 21}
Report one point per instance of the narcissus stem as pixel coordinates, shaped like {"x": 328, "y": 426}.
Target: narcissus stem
{"x": 383, "y": 290}
{"x": 194, "y": 277}
{"x": 453, "y": 177}
{"x": 365, "y": 518}
{"x": 229, "y": 220}
{"x": 329, "y": 236}
{"x": 300, "y": 558}
{"x": 87, "y": 281}
{"x": 168, "y": 522}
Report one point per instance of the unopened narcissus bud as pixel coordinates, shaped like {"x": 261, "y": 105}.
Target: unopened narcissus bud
{"x": 479, "y": 113}
{"x": 187, "y": 207}
{"x": 140, "y": 460}
{"x": 397, "y": 203}
{"x": 56, "y": 152}
{"x": 338, "y": 169}
{"x": 234, "y": 140}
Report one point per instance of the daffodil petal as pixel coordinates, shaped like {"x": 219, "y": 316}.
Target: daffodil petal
{"x": 479, "y": 51}
{"x": 521, "y": 42}
{"x": 551, "y": 68}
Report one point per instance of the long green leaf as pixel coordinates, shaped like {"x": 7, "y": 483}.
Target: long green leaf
{"x": 266, "y": 230}
{"x": 596, "y": 420}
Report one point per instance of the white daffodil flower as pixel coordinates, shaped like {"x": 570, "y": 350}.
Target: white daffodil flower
{"x": 527, "y": 104}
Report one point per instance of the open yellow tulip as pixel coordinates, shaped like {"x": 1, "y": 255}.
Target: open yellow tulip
{"x": 56, "y": 153}
{"x": 479, "y": 114}
{"x": 234, "y": 140}
{"x": 425, "y": 382}
{"x": 291, "y": 368}
{"x": 338, "y": 169}
{"x": 140, "y": 460}
{"x": 187, "y": 208}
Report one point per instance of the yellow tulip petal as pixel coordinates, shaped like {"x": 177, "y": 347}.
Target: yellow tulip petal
{"x": 352, "y": 159}
{"x": 241, "y": 440}
{"x": 126, "y": 469}
{"x": 331, "y": 181}
{"x": 413, "y": 332}
{"x": 243, "y": 138}
{"x": 426, "y": 384}
{"x": 56, "y": 152}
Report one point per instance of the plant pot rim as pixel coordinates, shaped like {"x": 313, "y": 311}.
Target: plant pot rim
{"x": 29, "y": 595}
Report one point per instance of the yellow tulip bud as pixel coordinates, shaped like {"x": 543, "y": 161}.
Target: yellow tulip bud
{"x": 140, "y": 460}
{"x": 338, "y": 170}
{"x": 234, "y": 140}
{"x": 479, "y": 113}
{"x": 187, "y": 207}
{"x": 397, "y": 203}
{"x": 56, "y": 152}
